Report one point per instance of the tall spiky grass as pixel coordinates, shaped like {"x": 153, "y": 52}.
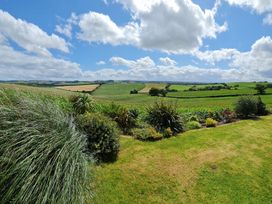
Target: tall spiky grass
{"x": 41, "y": 153}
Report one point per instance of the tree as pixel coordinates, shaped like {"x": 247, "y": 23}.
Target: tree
{"x": 260, "y": 89}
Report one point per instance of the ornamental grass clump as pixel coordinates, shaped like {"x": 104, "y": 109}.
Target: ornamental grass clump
{"x": 41, "y": 153}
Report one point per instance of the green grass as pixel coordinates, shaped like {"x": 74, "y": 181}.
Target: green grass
{"x": 215, "y": 93}
{"x": 119, "y": 93}
{"x": 117, "y": 89}
{"x": 227, "y": 164}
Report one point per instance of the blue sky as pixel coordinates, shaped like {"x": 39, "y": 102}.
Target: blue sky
{"x": 177, "y": 40}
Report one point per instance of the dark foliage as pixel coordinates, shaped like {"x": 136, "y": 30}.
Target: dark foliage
{"x": 102, "y": 136}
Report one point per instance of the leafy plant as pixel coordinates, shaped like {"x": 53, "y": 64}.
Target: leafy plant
{"x": 167, "y": 133}
{"x": 162, "y": 116}
{"x": 229, "y": 116}
{"x": 82, "y": 103}
{"x": 146, "y": 134}
{"x": 41, "y": 153}
{"x": 192, "y": 125}
{"x": 211, "y": 122}
{"x": 102, "y": 136}
{"x": 125, "y": 118}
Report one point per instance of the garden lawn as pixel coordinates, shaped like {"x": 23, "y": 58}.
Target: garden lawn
{"x": 227, "y": 164}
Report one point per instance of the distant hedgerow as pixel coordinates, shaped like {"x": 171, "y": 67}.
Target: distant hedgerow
{"x": 41, "y": 153}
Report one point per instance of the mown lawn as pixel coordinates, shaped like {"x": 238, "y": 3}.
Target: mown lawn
{"x": 227, "y": 164}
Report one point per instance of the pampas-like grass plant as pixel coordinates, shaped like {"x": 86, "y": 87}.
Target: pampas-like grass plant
{"x": 42, "y": 156}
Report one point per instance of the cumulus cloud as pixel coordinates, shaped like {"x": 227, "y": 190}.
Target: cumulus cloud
{"x": 29, "y": 36}
{"x": 167, "y": 61}
{"x": 66, "y": 29}
{"x": 213, "y": 56}
{"x": 184, "y": 23}
{"x": 142, "y": 63}
{"x": 97, "y": 27}
{"x": 18, "y": 65}
{"x": 258, "y": 59}
{"x": 260, "y": 6}
{"x": 256, "y": 63}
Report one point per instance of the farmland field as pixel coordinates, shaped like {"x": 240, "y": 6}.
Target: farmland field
{"x": 80, "y": 88}
{"x": 120, "y": 93}
{"x": 148, "y": 86}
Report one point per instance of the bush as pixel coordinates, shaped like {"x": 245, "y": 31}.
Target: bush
{"x": 102, "y": 136}
{"x": 81, "y": 103}
{"x": 167, "y": 133}
{"x": 261, "y": 107}
{"x": 192, "y": 125}
{"x": 163, "y": 116}
{"x": 134, "y": 91}
{"x": 211, "y": 122}
{"x": 157, "y": 92}
{"x": 125, "y": 118}
{"x": 229, "y": 116}
{"x": 41, "y": 153}
{"x": 146, "y": 134}
{"x": 246, "y": 107}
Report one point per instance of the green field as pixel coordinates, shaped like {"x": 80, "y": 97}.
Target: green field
{"x": 228, "y": 164}
{"x": 186, "y": 101}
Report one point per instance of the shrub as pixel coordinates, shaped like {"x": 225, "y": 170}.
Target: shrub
{"x": 229, "y": 116}
{"x": 157, "y": 92}
{"x": 134, "y": 91}
{"x": 125, "y": 118}
{"x": 246, "y": 107}
{"x": 192, "y": 125}
{"x": 146, "y": 134}
{"x": 162, "y": 116}
{"x": 102, "y": 136}
{"x": 193, "y": 118}
{"x": 167, "y": 133}
{"x": 211, "y": 122}
{"x": 81, "y": 103}
{"x": 261, "y": 107}
{"x": 41, "y": 153}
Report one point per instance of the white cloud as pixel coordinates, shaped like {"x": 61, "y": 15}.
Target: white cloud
{"x": 142, "y": 63}
{"x": 268, "y": 19}
{"x": 101, "y": 62}
{"x": 167, "y": 61}
{"x": 29, "y": 36}
{"x": 258, "y": 59}
{"x": 256, "y": 63}
{"x": 97, "y": 27}
{"x": 213, "y": 56}
{"x": 18, "y": 65}
{"x": 173, "y": 26}
{"x": 66, "y": 29}
{"x": 260, "y": 6}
